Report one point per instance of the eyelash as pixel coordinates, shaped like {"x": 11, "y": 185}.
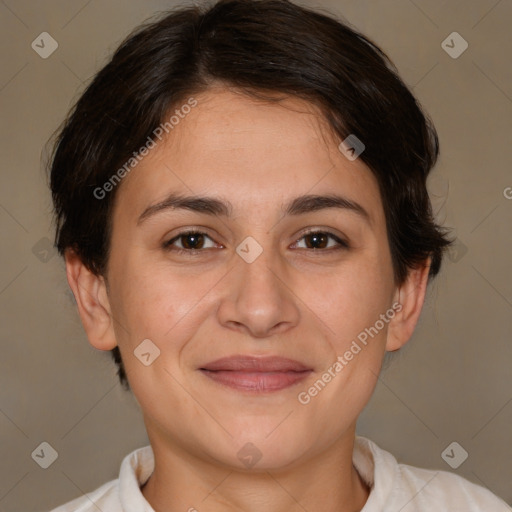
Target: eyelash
{"x": 342, "y": 244}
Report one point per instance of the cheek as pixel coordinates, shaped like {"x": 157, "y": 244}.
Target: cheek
{"x": 357, "y": 294}
{"x": 158, "y": 302}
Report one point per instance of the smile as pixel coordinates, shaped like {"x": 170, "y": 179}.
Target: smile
{"x": 256, "y": 374}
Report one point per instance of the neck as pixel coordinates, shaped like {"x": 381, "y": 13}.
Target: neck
{"x": 327, "y": 482}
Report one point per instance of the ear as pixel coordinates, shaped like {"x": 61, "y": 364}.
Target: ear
{"x": 92, "y": 301}
{"x": 411, "y": 296}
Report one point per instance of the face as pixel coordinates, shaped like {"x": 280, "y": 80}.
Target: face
{"x": 263, "y": 272}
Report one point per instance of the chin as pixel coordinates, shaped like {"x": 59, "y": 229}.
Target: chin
{"x": 265, "y": 447}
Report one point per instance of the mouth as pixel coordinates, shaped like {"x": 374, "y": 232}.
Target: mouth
{"x": 256, "y": 374}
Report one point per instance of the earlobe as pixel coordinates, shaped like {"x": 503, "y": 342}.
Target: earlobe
{"x": 92, "y": 302}
{"x": 411, "y": 296}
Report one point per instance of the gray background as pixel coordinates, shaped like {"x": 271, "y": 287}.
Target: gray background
{"x": 452, "y": 382}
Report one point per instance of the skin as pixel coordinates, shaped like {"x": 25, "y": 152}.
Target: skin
{"x": 292, "y": 301}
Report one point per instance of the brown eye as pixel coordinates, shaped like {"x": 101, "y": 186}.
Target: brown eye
{"x": 192, "y": 241}
{"x": 316, "y": 240}
{"x": 189, "y": 241}
{"x": 322, "y": 240}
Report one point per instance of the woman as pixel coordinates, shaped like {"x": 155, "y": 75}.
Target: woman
{"x": 240, "y": 199}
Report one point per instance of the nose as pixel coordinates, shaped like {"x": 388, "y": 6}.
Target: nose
{"x": 258, "y": 298}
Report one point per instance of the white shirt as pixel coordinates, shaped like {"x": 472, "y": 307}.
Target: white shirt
{"x": 394, "y": 487}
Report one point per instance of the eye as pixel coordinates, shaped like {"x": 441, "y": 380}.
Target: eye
{"x": 189, "y": 241}
{"x": 321, "y": 240}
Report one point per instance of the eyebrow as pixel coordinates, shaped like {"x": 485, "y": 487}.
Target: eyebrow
{"x": 211, "y": 206}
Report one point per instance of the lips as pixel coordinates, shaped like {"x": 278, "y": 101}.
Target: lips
{"x": 256, "y": 374}
{"x": 256, "y": 364}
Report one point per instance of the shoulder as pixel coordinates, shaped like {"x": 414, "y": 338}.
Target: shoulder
{"x": 120, "y": 494}
{"x": 104, "y": 498}
{"x": 426, "y": 488}
{"x": 407, "y": 488}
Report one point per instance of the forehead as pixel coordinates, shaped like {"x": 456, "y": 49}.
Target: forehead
{"x": 250, "y": 152}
